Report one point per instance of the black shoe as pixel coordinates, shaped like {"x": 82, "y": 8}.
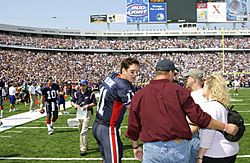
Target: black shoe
{"x": 82, "y": 153}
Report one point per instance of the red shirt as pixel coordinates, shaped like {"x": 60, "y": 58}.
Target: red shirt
{"x": 158, "y": 113}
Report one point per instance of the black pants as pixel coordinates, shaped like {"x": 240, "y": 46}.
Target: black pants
{"x": 230, "y": 159}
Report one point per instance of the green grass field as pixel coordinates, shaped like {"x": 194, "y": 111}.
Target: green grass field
{"x": 31, "y": 143}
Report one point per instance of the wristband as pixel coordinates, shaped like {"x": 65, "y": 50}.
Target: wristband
{"x": 136, "y": 147}
{"x": 225, "y": 128}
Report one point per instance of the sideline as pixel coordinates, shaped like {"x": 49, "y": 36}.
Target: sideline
{"x": 19, "y": 119}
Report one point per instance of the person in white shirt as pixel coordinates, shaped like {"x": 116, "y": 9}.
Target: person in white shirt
{"x": 236, "y": 86}
{"x": 38, "y": 93}
{"x": 32, "y": 93}
{"x": 214, "y": 148}
{"x": 194, "y": 82}
{"x": 12, "y": 94}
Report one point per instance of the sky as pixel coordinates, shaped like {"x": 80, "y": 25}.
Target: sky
{"x": 74, "y": 14}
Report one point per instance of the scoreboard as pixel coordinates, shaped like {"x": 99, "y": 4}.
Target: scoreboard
{"x": 181, "y": 11}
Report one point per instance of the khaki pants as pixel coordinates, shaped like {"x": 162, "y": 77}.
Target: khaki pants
{"x": 32, "y": 101}
{"x": 83, "y": 128}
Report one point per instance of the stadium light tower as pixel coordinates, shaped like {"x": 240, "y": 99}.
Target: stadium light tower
{"x": 54, "y": 21}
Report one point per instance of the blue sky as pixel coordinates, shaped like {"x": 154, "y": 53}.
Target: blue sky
{"x": 71, "y": 14}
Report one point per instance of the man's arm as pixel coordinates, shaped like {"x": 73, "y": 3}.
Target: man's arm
{"x": 137, "y": 150}
{"x": 231, "y": 129}
{"x": 42, "y": 102}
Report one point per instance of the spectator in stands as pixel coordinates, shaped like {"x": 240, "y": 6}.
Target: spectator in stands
{"x": 158, "y": 116}
{"x": 213, "y": 145}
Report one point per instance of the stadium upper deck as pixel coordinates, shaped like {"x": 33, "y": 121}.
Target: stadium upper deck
{"x": 152, "y": 41}
{"x": 135, "y": 34}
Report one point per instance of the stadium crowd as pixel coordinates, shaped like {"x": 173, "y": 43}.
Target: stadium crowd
{"x": 118, "y": 44}
{"x": 31, "y": 68}
{"x": 20, "y": 65}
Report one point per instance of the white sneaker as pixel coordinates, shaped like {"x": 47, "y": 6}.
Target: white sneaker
{"x": 10, "y": 110}
{"x": 50, "y": 132}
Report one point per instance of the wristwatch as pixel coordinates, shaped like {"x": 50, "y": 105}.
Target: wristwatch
{"x": 136, "y": 147}
{"x": 199, "y": 158}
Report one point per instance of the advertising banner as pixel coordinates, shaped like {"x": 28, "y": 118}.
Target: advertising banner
{"x": 116, "y": 18}
{"x": 216, "y": 12}
{"x": 137, "y": 11}
{"x": 98, "y": 18}
{"x": 236, "y": 10}
{"x": 201, "y": 9}
{"x": 157, "y": 12}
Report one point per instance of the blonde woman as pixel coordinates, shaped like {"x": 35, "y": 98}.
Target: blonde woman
{"x": 214, "y": 148}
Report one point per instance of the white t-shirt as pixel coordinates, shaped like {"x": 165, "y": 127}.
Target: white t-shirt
{"x": 38, "y": 89}
{"x": 236, "y": 83}
{"x": 12, "y": 90}
{"x": 198, "y": 96}
{"x": 217, "y": 145}
{"x": 32, "y": 90}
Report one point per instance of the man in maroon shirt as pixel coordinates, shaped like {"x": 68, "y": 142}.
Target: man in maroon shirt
{"x": 158, "y": 117}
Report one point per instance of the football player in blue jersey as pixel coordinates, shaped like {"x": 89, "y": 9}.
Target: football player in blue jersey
{"x": 49, "y": 99}
{"x": 115, "y": 96}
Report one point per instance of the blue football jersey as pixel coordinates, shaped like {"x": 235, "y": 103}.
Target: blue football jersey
{"x": 115, "y": 94}
{"x": 50, "y": 93}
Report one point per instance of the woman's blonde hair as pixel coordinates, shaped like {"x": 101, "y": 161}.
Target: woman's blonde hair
{"x": 217, "y": 88}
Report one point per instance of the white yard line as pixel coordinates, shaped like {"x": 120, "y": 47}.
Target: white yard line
{"x": 14, "y": 131}
{"x": 34, "y": 127}
{"x": 232, "y": 99}
{"x": 79, "y": 159}
{"x": 244, "y": 111}
{"x": 241, "y": 104}
{"x": 5, "y": 136}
